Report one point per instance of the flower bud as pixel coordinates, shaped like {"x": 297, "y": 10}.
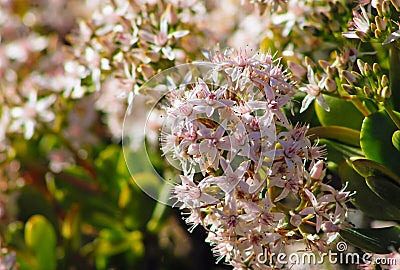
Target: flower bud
{"x": 147, "y": 71}
{"x": 386, "y": 8}
{"x": 384, "y": 80}
{"x": 396, "y": 4}
{"x": 368, "y": 92}
{"x": 317, "y": 171}
{"x": 297, "y": 70}
{"x": 170, "y": 15}
{"x": 331, "y": 71}
{"x": 309, "y": 62}
{"x": 296, "y": 220}
{"x": 324, "y": 64}
{"x": 379, "y": 9}
{"x": 377, "y": 33}
{"x": 349, "y": 89}
{"x": 376, "y": 69}
{"x": 349, "y": 76}
{"x": 367, "y": 69}
{"x": 330, "y": 85}
{"x": 360, "y": 65}
{"x": 380, "y": 23}
{"x": 386, "y": 92}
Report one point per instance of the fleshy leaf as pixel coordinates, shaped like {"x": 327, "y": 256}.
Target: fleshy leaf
{"x": 377, "y": 240}
{"x": 396, "y": 139}
{"x": 342, "y": 113}
{"x": 367, "y": 168}
{"x": 41, "y": 240}
{"x": 376, "y": 141}
{"x": 365, "y": 199}
{"x": 385, "y": 189}
{"x": 341, "y": 134}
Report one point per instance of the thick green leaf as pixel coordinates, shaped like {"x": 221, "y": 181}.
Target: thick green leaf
{"x": 376, "y": 141}
{"x": 385, "y": 188}
{"x": 342, "y": 113}
{"x": 379, "y": 240}
{"x": 365, "y": 199}
{"x": 40, "y": 238}
{"x": 394, "y": 58}
{"x": 341, "y": 134}
{"x": 396, "y": 139}
{"x": 366, "y": 167}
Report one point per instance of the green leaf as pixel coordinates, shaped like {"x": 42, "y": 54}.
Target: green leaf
{"x": 342, "y": 113}
{"x": 366, "y": 167}
{"x": 40, "y": 238}
{"x": 365, "y": 199}
{"x": 377, "y": 240}
{"x": 376, "y": 141}
{"x": 394, "y": 58}
{"x": 385, "y": 189}
{"x": 341, "y": 134}
{"x": 396, "y": 139}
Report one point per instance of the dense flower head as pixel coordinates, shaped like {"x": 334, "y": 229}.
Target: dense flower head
{"x": 248, "y": 175}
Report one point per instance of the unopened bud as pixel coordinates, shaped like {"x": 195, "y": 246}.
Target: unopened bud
{"x": 296, "y": 69}
{"x": 360, "y": 65}
{"x": 331, "y": 71}
{"x": 384, "y": 80}
{"x": 309, "y": 62}
{"x": 373, "y": 27}
{"x": 147, "y": 71}
{"x": 380, "y": 23}
{"x": 377, "y": 33}
{"x": 386, "y": 93}
{"x": 376, "y": 69}
{"x": 317, "y": 171}
{"x": 396, "y": 4}
{"x": 349, "y": 89}
{"x": 330, "y": 85}
{"x": 368, "y": 92}
{"x": 379, "y": 9}
{"x": 324, "y": 64}
{"x": 367, "y": 69}
{"x": 170, "y": 15}
{"x": 386, "y": 8}
{"x": 350, "y": 77}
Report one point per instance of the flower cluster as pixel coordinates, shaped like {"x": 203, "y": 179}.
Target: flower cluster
{"x": 123, "y": 44}
{"x": 250, "y": 178}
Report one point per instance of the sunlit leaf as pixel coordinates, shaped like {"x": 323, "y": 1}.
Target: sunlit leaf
{"x": 376, "y": 141}
{"x": 40, "y": 238}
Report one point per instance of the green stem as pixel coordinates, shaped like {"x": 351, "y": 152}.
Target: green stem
{"x": 354, "y": 99}
{"x": 360, "y": 106}
{"x": 392, "y": 115}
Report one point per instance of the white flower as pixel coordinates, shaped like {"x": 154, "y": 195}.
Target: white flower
{"x": 313, "y": 91}
{"x": 31, "y": 112}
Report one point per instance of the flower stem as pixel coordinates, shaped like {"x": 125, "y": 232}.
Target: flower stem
{"x": 361, "y": 107}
